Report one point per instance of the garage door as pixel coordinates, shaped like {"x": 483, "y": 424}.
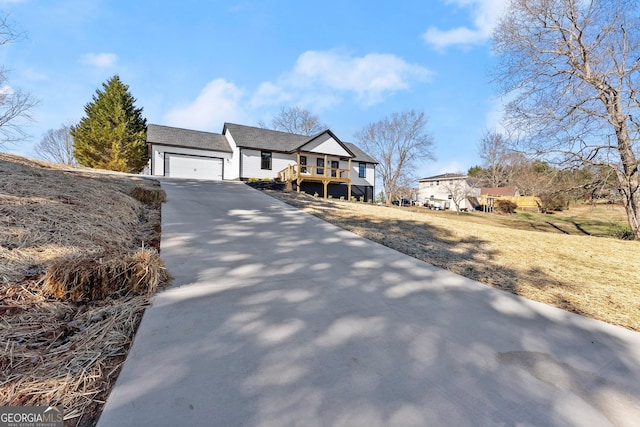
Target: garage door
{"x": 183, "y": 166}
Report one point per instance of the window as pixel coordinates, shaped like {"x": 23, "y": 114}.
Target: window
{"x": 320, "y": 164}
{"x": 265, "y": 160}
{"x": 362, "y": 170}
{"x": 303, "y": 163}
{"x": 335, "y": 165}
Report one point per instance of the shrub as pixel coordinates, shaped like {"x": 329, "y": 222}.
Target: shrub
{"x": 554, "y": 202}
{"x": 506, "y": 206}
{"x": 252, "y": 179}
{"x": 329, "y": 196}
{"x": 353, "y": 198}
{"x": 266, "y": 179}
{"x": 361, "y": 199}
{"x": 622, "y": 232}
{"x": 342, "y": 198}
{"x": 315, "y": 195}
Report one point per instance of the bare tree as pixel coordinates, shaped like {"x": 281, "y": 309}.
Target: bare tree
{"x": 14, "y": 103}
{"x": 57, "y": 146}
{"x": 398, "y": 142}
{"x": 460, "y": 191}
{"x": 296, "y": 120}
{"x": 496, "y": 156}
{"x": 574, "y": 69}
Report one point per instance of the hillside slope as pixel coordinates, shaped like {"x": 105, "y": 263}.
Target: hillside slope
{"x": 63, "y": 234}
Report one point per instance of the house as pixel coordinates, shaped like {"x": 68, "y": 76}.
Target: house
{"x": 321, "y": 163}
{"x": 449, "y": 191}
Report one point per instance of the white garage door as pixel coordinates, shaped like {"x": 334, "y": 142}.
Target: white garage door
{"x": 184, "y": 166}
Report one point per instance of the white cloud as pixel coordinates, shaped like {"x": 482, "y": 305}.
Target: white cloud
{"x": 320, "y": 78}
{"x": 100, "y": 60}
{"x": 218, "y": 102}
{"x": 269, "y": 94}
{"x": 485, "y": 15}
{"x": 6, "y": 90}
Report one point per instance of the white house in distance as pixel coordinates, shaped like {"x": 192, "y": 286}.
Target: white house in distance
{"x": 443, "y": 191}
{"x": 311, "y": 164}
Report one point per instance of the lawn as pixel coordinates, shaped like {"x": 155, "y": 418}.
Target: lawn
{"x": 64, "y": 234}
{"x": 555, "y": 259}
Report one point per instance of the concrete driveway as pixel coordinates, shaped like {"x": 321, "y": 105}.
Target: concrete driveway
{"x": 277, "y": 318}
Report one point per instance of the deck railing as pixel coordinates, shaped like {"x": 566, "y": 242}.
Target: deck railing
{"x": 314, "y": 173}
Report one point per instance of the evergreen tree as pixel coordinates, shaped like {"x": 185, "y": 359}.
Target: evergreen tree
{"x": 113, "y": 133}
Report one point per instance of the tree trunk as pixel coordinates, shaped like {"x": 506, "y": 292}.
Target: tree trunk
{"x": 629, "y": 176}
{"x": 633, "y": 213}
{"x": 631, "y": 200}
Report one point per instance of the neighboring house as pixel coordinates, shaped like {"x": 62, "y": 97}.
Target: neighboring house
{"x": 321, "y": 163}
{"x": 448, "y": 190}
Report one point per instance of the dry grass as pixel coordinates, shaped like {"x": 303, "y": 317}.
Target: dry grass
{"x": 84, "y": 239}
{"x": 93, "y": 279}
{"x": 149, "y": 195}
{"x": 593, "y": 276}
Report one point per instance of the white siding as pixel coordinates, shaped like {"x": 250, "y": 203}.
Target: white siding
{"x": 325, "y": 144}
{"x": 369, "y": 178}
{"x": 252, "y": 162}
{"x": 158, "y": 151}
{"x": 233, "y": 171}
{"x": 440, "y": 190}
{"x": 429, "y": 188}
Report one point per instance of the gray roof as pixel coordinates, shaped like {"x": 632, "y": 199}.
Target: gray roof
{"x": 360, "y": 156}
{"x": 265, "y": 139}
{"x": 273, "y": 140}
{"x": 444, "y": 176}
{"x": 178, "y": 137}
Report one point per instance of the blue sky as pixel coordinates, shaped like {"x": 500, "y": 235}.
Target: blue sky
{"x": 197, "y": 64}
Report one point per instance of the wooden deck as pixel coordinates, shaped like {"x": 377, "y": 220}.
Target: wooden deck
{"x": 298, "y": 173}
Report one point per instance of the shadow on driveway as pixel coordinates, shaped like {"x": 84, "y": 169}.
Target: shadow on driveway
{"x": 277, "y": 318}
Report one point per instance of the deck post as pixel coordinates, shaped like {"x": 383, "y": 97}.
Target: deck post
{"x": 325, "y": 181}
{"x": 298, "y": 174}
{"x": 349, "y": 182}
{"x": 326, "y": 160}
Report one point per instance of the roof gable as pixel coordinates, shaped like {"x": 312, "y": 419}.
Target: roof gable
{"x": 326, "y": 143}
{"x": 177, "y": 137}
